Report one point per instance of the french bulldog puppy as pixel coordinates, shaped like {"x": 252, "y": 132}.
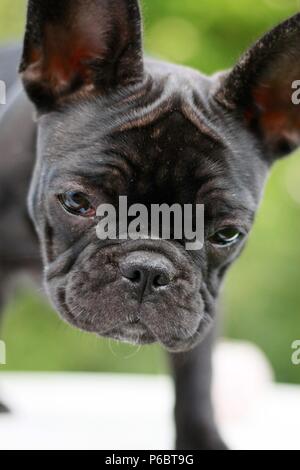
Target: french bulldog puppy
{"x": 109, "y": 122}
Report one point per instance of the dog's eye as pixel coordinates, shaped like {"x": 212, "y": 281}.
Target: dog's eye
{"x": 77, "y": 203}
{"x": 226, "y": 237}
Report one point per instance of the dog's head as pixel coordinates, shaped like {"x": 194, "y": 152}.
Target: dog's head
{"x": 112, "y": 123}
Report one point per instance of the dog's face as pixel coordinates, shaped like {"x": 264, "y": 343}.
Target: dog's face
{"x": 113, "y": 124}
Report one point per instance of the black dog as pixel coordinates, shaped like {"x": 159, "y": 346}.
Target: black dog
{"x": 110, "y": 122}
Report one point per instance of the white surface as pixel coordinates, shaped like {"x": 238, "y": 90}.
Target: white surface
{"x": 86, "y": 412}
{"x": 94, "y": 411}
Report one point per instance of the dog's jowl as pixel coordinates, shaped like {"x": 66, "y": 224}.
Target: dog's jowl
{"x": 108, "y": 123}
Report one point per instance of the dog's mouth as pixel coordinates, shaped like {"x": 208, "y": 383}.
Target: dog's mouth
{"x": 132, "y": 332}
{"x": 142, "y": 335}
{"x": 159, "y": 301}
{"x": 136, "y": 331}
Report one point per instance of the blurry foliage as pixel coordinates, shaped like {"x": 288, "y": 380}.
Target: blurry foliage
{"x": 261, "y": 301}
{"x": 12, "y": 13}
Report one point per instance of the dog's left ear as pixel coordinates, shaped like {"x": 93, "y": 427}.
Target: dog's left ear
{"x": 76, "y": 47}
{"x": 264, "y": 88}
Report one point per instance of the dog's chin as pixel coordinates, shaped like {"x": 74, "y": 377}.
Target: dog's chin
{"x": 137, "y": 333}
{"x": 132, "y": 333}
{"x": 141, "y": 335}
{"x": 175, "y": 328}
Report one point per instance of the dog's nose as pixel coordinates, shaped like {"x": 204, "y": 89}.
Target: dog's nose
{"x": 147, "y": 272}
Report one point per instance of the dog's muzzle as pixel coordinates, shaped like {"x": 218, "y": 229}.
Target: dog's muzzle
{"x": 141, "y": 292}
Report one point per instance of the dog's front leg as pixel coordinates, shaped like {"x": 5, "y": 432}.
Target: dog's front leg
{"x": 196, "y": 428}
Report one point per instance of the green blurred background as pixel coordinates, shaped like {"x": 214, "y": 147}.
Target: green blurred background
{"x": 261, "y": 299}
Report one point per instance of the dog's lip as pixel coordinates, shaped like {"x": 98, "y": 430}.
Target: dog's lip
{"x": 134, "y": 332}
{"x": 180, "y": 344}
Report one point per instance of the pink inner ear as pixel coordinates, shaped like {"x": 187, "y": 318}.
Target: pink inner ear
{"x": 88, "y": 46}
{"x": 279, "y": 118}
{"x": 66, "y": 56}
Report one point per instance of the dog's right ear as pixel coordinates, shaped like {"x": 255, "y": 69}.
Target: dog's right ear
{"x": 262, "y": 89}
{"x": 80, "y": 47}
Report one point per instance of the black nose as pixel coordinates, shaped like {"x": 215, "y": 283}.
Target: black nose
{"x": 147, "y": 272}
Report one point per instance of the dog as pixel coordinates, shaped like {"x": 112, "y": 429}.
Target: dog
{"x": 99, "y": 120}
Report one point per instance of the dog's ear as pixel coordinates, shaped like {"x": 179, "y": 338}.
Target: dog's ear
{"x": 80, "y": 46}
{"x": 263, "y": 88}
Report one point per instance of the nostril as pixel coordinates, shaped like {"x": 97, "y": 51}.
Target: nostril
{"x": 146, "y": 273}
{"x": 135, "y": 276}
{"x": 161, "y": 280}
{"x": 132, "y": 273}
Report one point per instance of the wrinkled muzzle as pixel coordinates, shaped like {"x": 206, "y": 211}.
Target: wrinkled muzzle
{"x": 139, "y": 292}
